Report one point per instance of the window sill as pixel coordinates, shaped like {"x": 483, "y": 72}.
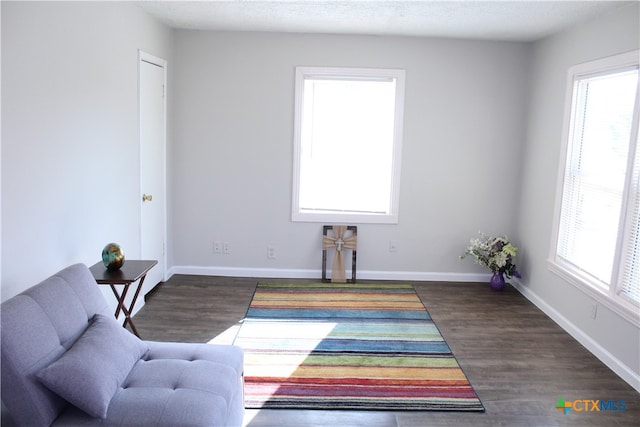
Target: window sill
{"x": 618, "y": 305}
{"x": 344, "y": 218}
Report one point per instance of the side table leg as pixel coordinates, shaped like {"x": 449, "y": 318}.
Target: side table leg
{"x": 119, "y": 298}
{"x": 122, "y": 307}
{"x": 128, "y": 318}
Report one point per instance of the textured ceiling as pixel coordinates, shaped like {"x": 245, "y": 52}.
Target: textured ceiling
{"x": 511, "y": 20}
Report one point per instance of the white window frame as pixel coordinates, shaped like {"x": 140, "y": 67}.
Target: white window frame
{"x": 608, "y": 296}
{"x": 390, "y": 217}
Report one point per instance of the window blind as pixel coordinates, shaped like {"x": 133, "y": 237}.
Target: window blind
{"x": 595, "y": 173}
{"x": 630, "y": 278}
{"x": 596, "y": 234}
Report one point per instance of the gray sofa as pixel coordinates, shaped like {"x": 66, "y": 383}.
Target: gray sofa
{"x": 67, "y": 362}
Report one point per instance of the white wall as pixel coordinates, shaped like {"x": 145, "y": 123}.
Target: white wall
{"x": 233, "y": 151}
{"x": 609, "y": 336}
{"x": 70, "y": 180}
{"x": 480, "y": 149}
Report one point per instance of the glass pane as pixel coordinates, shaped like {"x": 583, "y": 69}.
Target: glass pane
{"x": 347, "y": 145}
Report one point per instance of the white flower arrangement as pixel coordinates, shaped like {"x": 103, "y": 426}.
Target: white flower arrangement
{"x": 495, "y": 253}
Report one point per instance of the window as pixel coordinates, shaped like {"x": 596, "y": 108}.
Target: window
{"x": 348, "y": 136}
{"x": 596, "y": 243}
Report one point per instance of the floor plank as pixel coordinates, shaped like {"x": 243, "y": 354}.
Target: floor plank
{"x": 518, "y": 360}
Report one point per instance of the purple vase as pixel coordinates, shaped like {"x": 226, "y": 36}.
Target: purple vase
{"x": 497, "y": 282}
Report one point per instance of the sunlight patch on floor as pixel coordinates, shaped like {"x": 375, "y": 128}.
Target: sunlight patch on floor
{"x": 227, "y": 337}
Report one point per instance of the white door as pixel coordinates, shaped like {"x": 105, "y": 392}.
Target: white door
{"x": 152, "y": 104}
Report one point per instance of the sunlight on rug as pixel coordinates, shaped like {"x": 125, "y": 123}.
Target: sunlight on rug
{"x": 348, "y": 346}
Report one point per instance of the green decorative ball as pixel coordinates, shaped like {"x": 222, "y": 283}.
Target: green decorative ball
{"x": 112, "y": 256}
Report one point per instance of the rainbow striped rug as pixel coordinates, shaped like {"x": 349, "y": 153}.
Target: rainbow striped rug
{"x": 348, "y": 346}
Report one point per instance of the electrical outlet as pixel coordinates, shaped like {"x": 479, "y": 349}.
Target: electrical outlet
{"x": 594, "y": 311}
{"x": 217, "y": 247}
{"x": 393, "y": 246}
{"x": 271, "y": 252}
{"x": 225, "y": 248}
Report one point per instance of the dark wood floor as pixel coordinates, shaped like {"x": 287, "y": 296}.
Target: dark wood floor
{"x": 518, "y": 360}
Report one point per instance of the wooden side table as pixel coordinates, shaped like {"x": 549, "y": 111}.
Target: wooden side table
{"x": 132, "y": 271}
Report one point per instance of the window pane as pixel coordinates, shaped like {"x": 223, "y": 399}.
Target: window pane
{"x": 347, "y": 144}
{"x": 596, "y": 169}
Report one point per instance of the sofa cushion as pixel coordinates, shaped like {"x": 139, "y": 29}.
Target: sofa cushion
{"x": 177, "y": 384}
{"x": 89, "y": 374}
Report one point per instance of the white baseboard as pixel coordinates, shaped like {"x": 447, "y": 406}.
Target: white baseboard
{"x": 245, "y": 272}
{"x": 317, "y": 274}
{"x": 622, "y": 370}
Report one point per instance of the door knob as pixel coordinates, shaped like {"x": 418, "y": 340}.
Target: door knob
{"x": 147, "y": 197}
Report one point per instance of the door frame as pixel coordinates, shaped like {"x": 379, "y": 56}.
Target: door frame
{"x": 154, "y": 60}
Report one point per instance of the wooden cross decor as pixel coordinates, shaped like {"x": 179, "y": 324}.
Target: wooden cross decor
{"x": 340, "y": 241}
